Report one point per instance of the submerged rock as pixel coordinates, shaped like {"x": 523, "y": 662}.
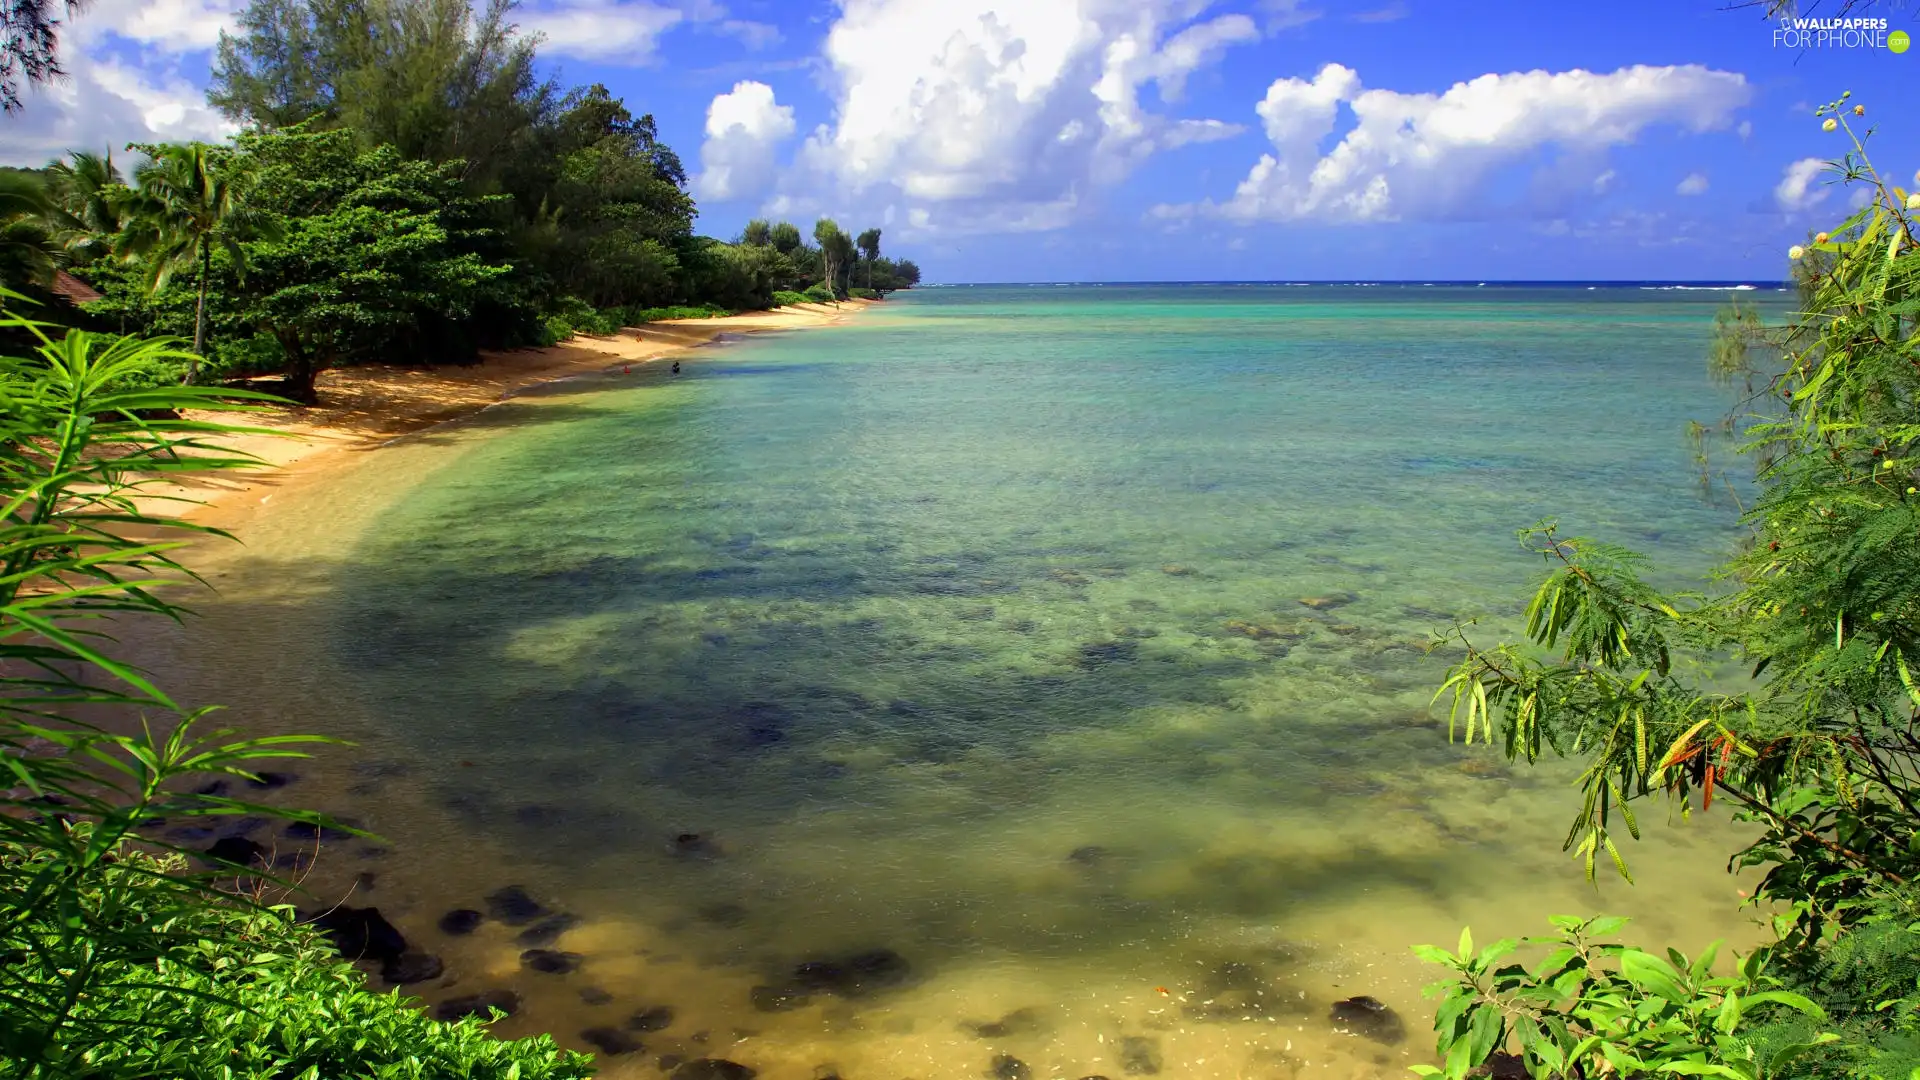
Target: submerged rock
{"x": 1101, "y": 653}
{"x": 1329, "y": 601}
{"x": 460, "y": 922}
{"x": 512, "y": 905}
{"x": 267, "y": 780}
{"x": 1368, "y": 1017}
{"x": 479, "y": 1004}
{"x": 611, "y": 1041}
{"x": 1017, "y": 1022}
{"x": 1089, "y": 855}
{"x": 713, "y": 1069}
{"x": 658, "y": 1018}
{"x": 360, "y": 933}
{"x": 307, "y": 830}
{"x": 857, "y": 975}
{"x": 547, "y": 930}
{"x": 689, "y": 845}
{"x": 412, "y": 967}
{"x": 1140, "y": 1055}
{"x": 593, "y": 995}
{"x": 237, "y": 850}
{"x": 551, "y": 961}
{"x": 1008, "y": 1067}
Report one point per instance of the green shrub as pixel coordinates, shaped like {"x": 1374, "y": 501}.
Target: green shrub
{"x": 637, "y": 316}
{"x": 240, "y": 992}
{"x": 554, "y": 329}
{"x": 788, "y": 298}
{"x": 863, "y": 294}
{"x": 820, "y": 293}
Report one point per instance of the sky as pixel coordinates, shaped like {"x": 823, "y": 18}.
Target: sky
{"x": 1162, "y": 140}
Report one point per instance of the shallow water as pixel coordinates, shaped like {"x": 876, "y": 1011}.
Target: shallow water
{"x": 974, "y": 630}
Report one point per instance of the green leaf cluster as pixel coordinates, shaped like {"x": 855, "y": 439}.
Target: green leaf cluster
{"x": 1818, "y": 745}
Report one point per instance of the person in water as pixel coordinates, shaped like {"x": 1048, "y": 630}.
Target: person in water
{"x": 676, "y": 367}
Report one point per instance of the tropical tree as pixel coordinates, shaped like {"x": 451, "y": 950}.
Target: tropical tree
{"x": 382, "y": 259}
{"x": 192, "y": 201}
{"x": 758, "y": 233}
{"x": 785, "y": 238}
{"x": 442, "y": 80}
{"x": 89, "y": 200}
{"x": 870, "y": 251}
{"x": 844, "y": 255}
{"x": 28, "y": 252}
{"x": 824, "y": 231}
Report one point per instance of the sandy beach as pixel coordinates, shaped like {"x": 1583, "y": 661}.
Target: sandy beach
{"x": 362, "y": 408}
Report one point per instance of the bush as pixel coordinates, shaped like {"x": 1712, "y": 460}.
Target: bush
{"x": 788, "y": 298}
{"x": 819, "y": 293}
{"x": 637, "y": 316}
{"x": 242, "y": 992}
{"x": 863, "y": 294}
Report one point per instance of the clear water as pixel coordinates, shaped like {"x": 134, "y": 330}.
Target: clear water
{"x": 974, "y": 630}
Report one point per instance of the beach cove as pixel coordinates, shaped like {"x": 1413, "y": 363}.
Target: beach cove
{"x": 1045, "y": 666}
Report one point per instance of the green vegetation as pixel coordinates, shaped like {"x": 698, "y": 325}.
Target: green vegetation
{"x": 405, "y": 190}
{"x": 1816, "y": 745}
{"x": 120, "y": 961}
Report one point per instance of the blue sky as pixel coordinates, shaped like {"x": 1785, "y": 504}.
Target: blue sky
{"x": 998, "y": 140}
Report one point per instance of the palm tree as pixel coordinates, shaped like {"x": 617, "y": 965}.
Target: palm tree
{"x": 28, "y": 253}
{"x": 188, "y": 202}
{"x": 89, "y": 204}
{"x": 870, "y": 250}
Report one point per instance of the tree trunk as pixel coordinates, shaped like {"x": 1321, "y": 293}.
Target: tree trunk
{"x": 297, "y": 377}
{"x": 200, "y": 317}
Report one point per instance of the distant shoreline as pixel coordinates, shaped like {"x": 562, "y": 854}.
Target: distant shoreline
{"x": 364, "y": 407}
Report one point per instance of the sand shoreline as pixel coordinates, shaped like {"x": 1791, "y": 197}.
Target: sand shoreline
{"x": 364, "y": 408}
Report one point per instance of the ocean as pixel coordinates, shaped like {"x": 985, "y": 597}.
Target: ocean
{"x": 1044, "y": 666}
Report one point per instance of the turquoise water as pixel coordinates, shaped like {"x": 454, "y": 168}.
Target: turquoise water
{"x": 974, "y": 630}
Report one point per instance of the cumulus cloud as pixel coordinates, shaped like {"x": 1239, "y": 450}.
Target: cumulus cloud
{"x": 173, "y": 25}
{"x": 1694, "y": 184}
{"x": 608, "y": 31}
{"x": 744, "y": 128}
{"x": 980, "y": 115}
{"x": 1433, "y": 155}
{"x": 102, "y": 106}
{"x": 1798, "y": 188}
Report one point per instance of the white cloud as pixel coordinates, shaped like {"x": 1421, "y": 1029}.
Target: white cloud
{"x": 1694, "y": 184}
{"x": 173, "y": 25}
{"x": 608, "y": 31}
{"x": 1798, "y": 189}
{"x": 1198, "y": 46}
{"x": 1003, "y": 114}
{"x": 744, "y": 128}
{"x": 1433, "y": 155}
{"x": 1745, "y": 130}
{"x": 1604, "y": 182}
{"x": 103, "y": 106}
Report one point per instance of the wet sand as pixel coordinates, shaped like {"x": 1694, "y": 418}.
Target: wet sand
{"x": 363, "y": 408}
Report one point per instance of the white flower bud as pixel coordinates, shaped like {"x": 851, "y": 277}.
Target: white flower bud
{"x": 1795, "y": 252}
{"x": 1829, "y": 124}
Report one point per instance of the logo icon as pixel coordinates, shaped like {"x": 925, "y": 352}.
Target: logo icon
{"x": 1898, "y": 41}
